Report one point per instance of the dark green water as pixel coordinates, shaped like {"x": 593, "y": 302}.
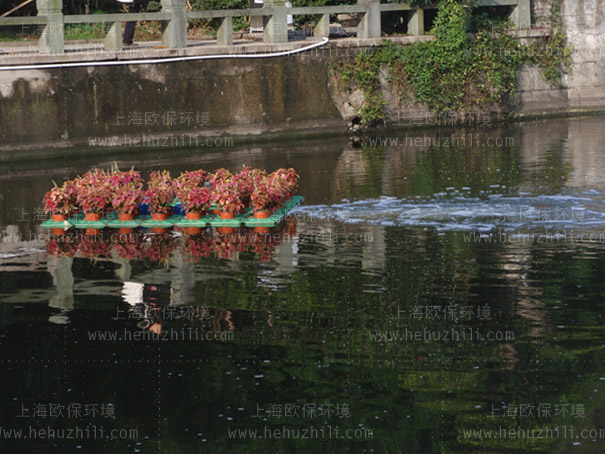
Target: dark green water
{"x": 423, "y": 296}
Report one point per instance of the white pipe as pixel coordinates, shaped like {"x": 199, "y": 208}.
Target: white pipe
{"x": 163, "y": 60}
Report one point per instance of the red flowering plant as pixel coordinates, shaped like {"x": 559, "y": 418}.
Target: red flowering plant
{"x": 288, "y": 179}
{"x": 193, "y": 178}
{"x": 245, "y": 181}
{"x": 269, "y": 193}
{"x": 160, "y": 192}
{"x": 226, "y": 195}
{"x": 117, "y": 177}
{"x": 60, "y": 200}
{"x": 126, "y": 198}
{"x": 194, "y": 198}
{"x": 220, "y": 175}
{"x": 93, "y": 191}
{"x": 126, "y": 190}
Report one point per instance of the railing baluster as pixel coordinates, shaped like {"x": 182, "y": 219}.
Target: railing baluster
{"x": 275, "y": 29}
{"x": 369, "y": 25}
{"x": 174, "y": 31}
{"x": 52, "y": 38}
{"x": 224, "y": 34}
{"x": 174, "y": 16}
{"x": 522, "y": 15}
{"x": 416, "y": 22}
{"x": 113, "y": 37}
{"x": 323, "y": 25}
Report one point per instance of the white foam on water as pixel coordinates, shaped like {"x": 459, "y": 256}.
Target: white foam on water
{"x": 457, "y": 212}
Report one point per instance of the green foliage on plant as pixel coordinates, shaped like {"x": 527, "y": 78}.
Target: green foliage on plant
{"x": 460, "y": 71}
{"x": 364, "y": 74}
{"x": 553, "y": 55}
{"x": 160, "y": 192}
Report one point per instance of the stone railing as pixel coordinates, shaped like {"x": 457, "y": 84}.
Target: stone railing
{"x": 274, "y": 12}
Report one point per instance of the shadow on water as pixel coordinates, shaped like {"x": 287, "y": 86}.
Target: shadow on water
{"x": 427, "y": 297}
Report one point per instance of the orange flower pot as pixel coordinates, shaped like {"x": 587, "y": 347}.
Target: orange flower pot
{"x": 159, "y": 230}
{"x": 126, "y": 216}
{"x": 93, "y": 217}
{"x": 59, "y": 217}
{"x": 193, "y": 230}
{"x": 125, "y": 230}
{"x": 92, "y": 232}
{"x": 226, "y": 215}
{"x": 261, "y": 214}
{"x": 58, "y": 232}
{"x": 226, "y": 230}
{"x": 159, "y": 216}
{"x": 262, "y": 229}
{"x": 193, "y": 216}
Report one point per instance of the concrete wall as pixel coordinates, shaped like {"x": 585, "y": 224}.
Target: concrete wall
{"x": 206, "y": 97}
{"x": 585, "y": 26}
{"x": 252, "y": 97}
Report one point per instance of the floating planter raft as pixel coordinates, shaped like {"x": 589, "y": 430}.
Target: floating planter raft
{"x": 245, "y": 219}
{"x": 196, "y": 199}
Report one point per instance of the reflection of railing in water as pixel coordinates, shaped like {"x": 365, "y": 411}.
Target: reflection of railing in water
{"x": 157, "y": 247}
{"x": 177, "y": 252}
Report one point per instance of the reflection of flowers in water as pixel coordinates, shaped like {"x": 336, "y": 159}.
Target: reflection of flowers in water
{"x": 225, "y": 244}
{"x": 127, "y": 245}
{"x": 290, "y": 226}
{"x": 264, "y": 244}
{"x": 94, "y": 247}
{"x": 62, "y": 245}
{"x": 197, "y": 246}
{"x": 157, "y": 247}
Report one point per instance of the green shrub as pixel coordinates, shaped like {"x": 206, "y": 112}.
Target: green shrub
{"x": 456, "y": 72}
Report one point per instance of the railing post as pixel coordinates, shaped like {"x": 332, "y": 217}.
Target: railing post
{"x": 416, "y": 22}
{"x": 113, "y": 37}
{"x": 323, "y": 25}
{"x": 521, "y": 16}
{"x": 174, "y": 33}
{"x": 52, "y": 38}
{"x": 369, "y": 25}
{"x": 224, "y": 34}
{"x": 276, "y": 27}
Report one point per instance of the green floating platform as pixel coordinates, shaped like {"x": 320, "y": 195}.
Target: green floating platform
{"x": 247, "y": 218}
{"x": 277, "y": 216}
{"x": 50, "y": 224}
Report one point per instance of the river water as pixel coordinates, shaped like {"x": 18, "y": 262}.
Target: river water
{"x": 437, "y": 292}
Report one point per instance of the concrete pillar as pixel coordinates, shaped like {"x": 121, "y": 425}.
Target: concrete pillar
{"x": 323, "y": 25}
{"x": 174, "y": 33}
{"x": 521, "y": 16}
{"x": 276, "y": 26}
{"x": 52, "y": 38}
{"x": 369, "y": 25}
{"x": 224, "y": 34}
{"x": 416, "y": 22}
{"x": 113, "y": 37}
